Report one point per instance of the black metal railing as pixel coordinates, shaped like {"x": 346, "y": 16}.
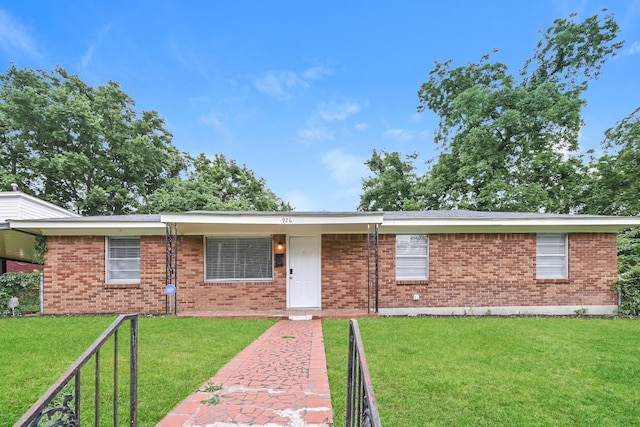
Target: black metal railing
{"x": 361, "y": 402}
{"x": 60, "y": 405}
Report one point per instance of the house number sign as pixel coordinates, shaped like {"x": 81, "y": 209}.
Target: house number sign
{"x": 287, "y": 220}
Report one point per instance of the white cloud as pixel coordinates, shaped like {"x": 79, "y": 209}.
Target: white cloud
{"x": 317, "y": 73}
{"x": 326, "y": 112}
{"x": 634, "y": 49}
{"x": 402, "y": 134}
{"x": 87, "y": 57}
{"x": 416, "y": 117}
{"x": 300, "y": 201}
{"x": 425, "y": 134}
{"x": 337, "y": 111}
{"x": 279, "y": 84}
{"x": 283, "y": 84}
{"x": 188, "y": 58}
{"x": 344, "y": 168}
{"x": 14, "y": 38}
{"x": 361, "y": 126}
{"x": 212, "y": 120}
{"x": 202, "y": 99}
{"x": 347, "y": 171}
{"x": 315, "y": 133}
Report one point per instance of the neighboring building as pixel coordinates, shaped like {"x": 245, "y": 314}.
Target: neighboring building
{"x": 17, "y": 247}
{"x": 427, "y": 262}
{"x": 21, "y": 267}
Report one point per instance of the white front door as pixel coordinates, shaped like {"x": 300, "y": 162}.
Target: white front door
{"x": 303, "y": 268}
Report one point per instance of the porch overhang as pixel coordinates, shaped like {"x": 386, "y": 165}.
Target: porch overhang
{"x": 117, "y": 225}
{"x": 248, "y": 223}
{"x": 16, "y": 245}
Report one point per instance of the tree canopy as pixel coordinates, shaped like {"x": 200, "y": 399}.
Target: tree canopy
{"x": 613, "y": 187}
{"x": 81, "y": 147}
{"x": 509, "y": 141}
{"x": 392, "y": 184}
{"x": 87, "y": 149}
{"x": 215, "y": 184}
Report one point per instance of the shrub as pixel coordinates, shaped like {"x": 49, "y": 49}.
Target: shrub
{"x": 629, "y": 287}
{"x": 24, "y": 286}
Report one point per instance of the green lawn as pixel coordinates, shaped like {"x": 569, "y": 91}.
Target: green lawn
{"x": 495, "y": 371}
{"x": 426, "y": 371}
{"x": 176, "y": 355}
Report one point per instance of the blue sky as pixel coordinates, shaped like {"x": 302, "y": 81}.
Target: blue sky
{"x": 301, "y": 91}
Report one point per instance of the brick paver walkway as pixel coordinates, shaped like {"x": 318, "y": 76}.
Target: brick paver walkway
{"x": 278, "y": 380}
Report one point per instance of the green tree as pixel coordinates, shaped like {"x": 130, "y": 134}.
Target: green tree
{"x": 510, "y": 143}
{"x": 392, "y": 182}
{"x": 613, "y": 188}
{"x": 81, "y": 147}
{"x": 614, "y": 180}
{"x": 215, "y": 184}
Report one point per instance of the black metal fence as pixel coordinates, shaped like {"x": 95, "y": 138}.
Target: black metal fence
{"x": 61, "y": 404}
{"x": 361, "y": 402}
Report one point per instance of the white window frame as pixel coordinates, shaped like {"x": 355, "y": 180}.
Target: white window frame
{"x": 110, "y": 262}
{"x": 267, "y": 262}
{"x": 547, "y": 246}
{"x": 399, "y": 242}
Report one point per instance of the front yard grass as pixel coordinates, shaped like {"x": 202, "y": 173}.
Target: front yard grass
{"x": 175, "y": 357}
{"x": 494, "y": 371}
{"x": 425, "y": 371}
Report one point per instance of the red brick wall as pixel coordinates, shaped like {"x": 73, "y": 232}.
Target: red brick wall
{"x": 196, "y": 294}
{"x": 74, "y": 278}
{"x": 471, "y": 270}
{"x": 344, "y": 271}
{"x": 466, "y": 270}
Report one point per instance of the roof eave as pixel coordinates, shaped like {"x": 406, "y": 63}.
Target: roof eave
{"x": 539, "y": 225}
{"x": 89, "y": 228}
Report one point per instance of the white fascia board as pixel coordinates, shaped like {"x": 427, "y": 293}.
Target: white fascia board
{"x": 89, "y": 228}
{"x": 281, "y": 218}
{"x": 597, "y": 225}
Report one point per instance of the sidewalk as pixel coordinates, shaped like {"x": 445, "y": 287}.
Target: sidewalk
{"x": 278, "y": 380}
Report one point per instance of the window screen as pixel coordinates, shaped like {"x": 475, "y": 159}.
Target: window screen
{"x": 239, "y": 259}
{"x": 551, "y": 256}
{"x": 412, "y": 257}
{"x": 123, "y": 260}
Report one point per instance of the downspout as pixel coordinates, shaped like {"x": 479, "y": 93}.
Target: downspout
{"x": 42, "y": 292}
{"x": 377, "y": 271}
{"x": 171, "y": 268}
{"x": 619, "y": 295}
{"x": 368, "y": 269}
{"x": 175, "y": 271}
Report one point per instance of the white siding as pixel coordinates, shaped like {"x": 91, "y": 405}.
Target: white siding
{"x": 16, "y": 205}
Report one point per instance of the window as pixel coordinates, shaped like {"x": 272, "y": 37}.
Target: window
{"x": 238, "y": 259}
{"x": 551, "y": 256}
{"x": 123, "y": 260}
{"x": 412, "y": 257}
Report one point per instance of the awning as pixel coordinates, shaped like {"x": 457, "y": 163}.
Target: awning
{"x": 241, "y": 223}
{"x": 16, "y": 245}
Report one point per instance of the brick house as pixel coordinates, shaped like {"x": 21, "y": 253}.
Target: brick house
{"x": 395, "y": 263}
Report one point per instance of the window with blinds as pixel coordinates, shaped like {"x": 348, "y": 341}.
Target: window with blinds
{"x": 551, "y": 256}
{"x": 123, "y": 260}
{"x": 412, "y": 257}
{"x": 246, "y": 259}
